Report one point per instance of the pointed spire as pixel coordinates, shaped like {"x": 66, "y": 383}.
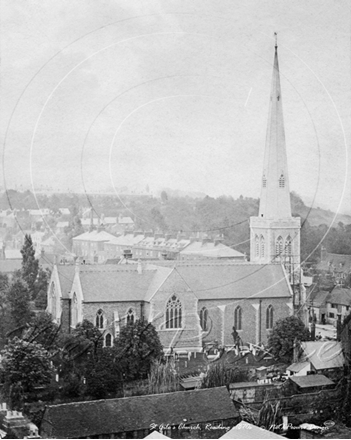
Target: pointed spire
{"x": 275, "y": 194}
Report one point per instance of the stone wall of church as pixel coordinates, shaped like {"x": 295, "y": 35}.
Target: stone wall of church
{"x": 220, "y": 326}
{"x": 189, "y": 336}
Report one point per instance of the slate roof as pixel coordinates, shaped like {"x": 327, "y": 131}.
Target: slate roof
{"x": 9, "y": 266}
{"x": 126, "y": 240}
{"x": 123, "y": 283}
{"x": 66, "y": 275}
{"x": 210, "y": 250}
{"x": 311, "y": 380}
{"x": 297, "y": 366}
{"x": 156, "y": 435}
{"x": 83, "y": 419}
{"x": 337, "y": 261}
{"x": 318, "y": 299}
{"x": 323, "y": 355}
{"x": 241, "y": 280}
{"x": 245, "y": 430}
{"x": 94, "y": 236}
{"x": 340, "y": 295}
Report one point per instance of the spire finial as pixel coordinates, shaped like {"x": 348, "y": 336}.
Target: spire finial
{"x": 276, "y": 39}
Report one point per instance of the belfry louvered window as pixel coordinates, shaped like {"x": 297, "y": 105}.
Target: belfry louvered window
{"x": 262, "y": 246}
{"x": 288, "y": 245}
{"x": 257, "y": 246}
{"x": 174, "y": 313}
{"x": 264, "y": 181}
{"x": 279, "y": 246}
{"x": 281, "y": 181}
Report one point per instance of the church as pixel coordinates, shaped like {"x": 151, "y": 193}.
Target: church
{"x": 194, "y": 302}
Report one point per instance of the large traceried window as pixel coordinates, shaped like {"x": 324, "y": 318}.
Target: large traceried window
{"x": 203, "y": 318}
{"x": 279, "y": 246}
{"x": 262, "y": 246}
{"x": 130, "y": 317}
{"x": 238, "y": 314}
{"x": 174, "y": 313}
{"x": 100, "y": 319}
{"x": 53, "y": 300}
{"x": 269, "y": 317}
{"x": 288, "y": 245}
{"x": 74, "y": 310}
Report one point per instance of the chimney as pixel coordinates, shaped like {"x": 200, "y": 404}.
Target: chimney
{"x": 139, "y": 268}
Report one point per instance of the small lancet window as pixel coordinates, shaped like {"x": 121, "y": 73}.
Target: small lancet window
{"x": 130, "y": 317}
{"x": 281, "y": 181}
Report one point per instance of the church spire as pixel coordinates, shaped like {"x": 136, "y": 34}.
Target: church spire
{"x": 275, "y": 194}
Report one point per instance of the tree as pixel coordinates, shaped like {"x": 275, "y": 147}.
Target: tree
{"x": 44, "y": 331}
{"x": 30, "y": 264}
{"x": 4, "y": 308}
{"x": 18, "y": 297}
{"x": 283, "y": 335}
{"x": 137, "y": 346}
{"x": 24, "y": 365}
{"x": 41, "y": 287}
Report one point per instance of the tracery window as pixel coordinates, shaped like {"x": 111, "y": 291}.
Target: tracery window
{"x": 174, "y": 313}
{"x": 262, "y": 245}
{"x": 279, "y": 246}
{"x": 100, "y": 319}
{"x": 257, "y": 246}
{"x": 281, "y": 181}
{"x": 130, "y": 317}
{"x": 288, "y": 245}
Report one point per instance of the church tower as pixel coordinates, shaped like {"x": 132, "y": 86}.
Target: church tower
{"x": 275, "y": 234}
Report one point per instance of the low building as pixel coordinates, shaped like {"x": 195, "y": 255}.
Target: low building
{"x": 299, "y": 369}
{"x": 338, "y": 305}
{"x": 183, "y": 414}
{"x": 251, "y": 392}
{"x": 310, "y": 383}
{"x": 337, "y": 265}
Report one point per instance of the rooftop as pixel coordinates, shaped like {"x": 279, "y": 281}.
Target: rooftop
{"x": 86, "y": 419}
{"x": 311, "y": 380}
{"x": 245, "y": 430}
{"x": 323, "y": 355}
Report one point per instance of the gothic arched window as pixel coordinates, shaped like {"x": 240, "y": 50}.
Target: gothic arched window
{"x": 279, "y": 246}
{"x": 288, "y": 245}
{"x": 203, "y": 318}
{"x": 74, "y": 310}
{"x": 238, "y": 313}
{"x": 262, "y": 245}
{"x": 282, "y": 181}
{"x": 100, "y": 319}
{"x": 130, "y": 317}
{"x": 257, "y": 246}
{"x": 174, "y": 313}
{"x": 53, "y": 300}
{"x": 108, "y": 340}
{"x": 269, "y": 317}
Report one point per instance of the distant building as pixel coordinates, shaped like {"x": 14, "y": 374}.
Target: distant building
{"x": 136, "y": 417}
{"x": 336, "y": 265}
{"x": 90, "y": 245}
{"x": 117, "y": 246}
{"x": 311, "y": 383}
{"x": 210, "y": 249}
{"x": 338, "y": 305}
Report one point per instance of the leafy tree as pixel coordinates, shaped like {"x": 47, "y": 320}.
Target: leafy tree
{"x": 30, "y": 264}
{"x": 4, "y": 308}
{"x": 283, "y": 335}
{"x": 18, "y": 298}
{"x": 41, "y": 286}
{"x": 44, "y": 331}
{"x": 23, "y": 366}
{"x": 137, "y": 346}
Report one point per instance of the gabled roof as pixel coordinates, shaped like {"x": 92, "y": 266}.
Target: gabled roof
{"x": 298, "y": 366}
{"x": 311, "y": 380}
{"x": 323, "y": 355}
{"x": 104, "y": 417}
{"x": 161, "y": 274}
{"x": 156, "y": 435}
{"x": 210, "y": 250}
{"x": 340, "y": 295}
{"x": 319, "y": 298}
{"x": 65, "y": 275}
{"x": 240, "y": 280}
{"x": 94, "y": 236}
{"x": 122, "y": 283}
{"x": 245, "y": 430}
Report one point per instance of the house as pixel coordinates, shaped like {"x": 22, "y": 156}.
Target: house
{"x": 117, "y": 246}
{"x": 338, "y": 304}
{"x": 38, "y": 216}
{"x": 90, "y": 245}
{"x": 210, "y": 249}
{"x": 184, "y": 413}
{"x": 299, "y": 368}
{"x": 337, "y": 265}
{"x": 61, "y": 225}
{"x": 189, "y": 304}
{"x": 251, "y": 392}
{"x": 245, "y": 430}
{"x": 318, "y": 304}
{"x": 324, "y": 357}
{"x": 310, "y": 383}
{"x": 64, "y": 211}
{"x": 127, "y": 223}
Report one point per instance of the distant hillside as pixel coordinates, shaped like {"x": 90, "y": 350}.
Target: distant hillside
{"x": 316, "y": 216}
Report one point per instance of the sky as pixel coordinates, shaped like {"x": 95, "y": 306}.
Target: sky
{"x": 98, "y": 95}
